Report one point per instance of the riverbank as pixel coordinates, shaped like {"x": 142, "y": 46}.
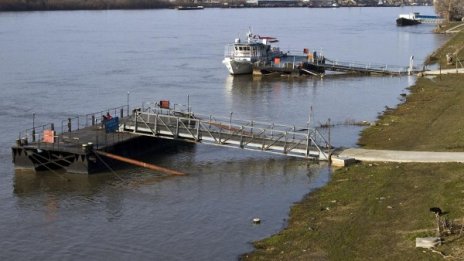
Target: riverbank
{"x": 51, "y": 5}
{"x": 375, "y": 211}
{"x": 16, "y": 5}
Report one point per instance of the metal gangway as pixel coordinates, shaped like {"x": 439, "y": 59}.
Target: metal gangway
{"x": 251, "y": 135}
{"x": 430, "y": 19}
{"x": 356, "y": 67}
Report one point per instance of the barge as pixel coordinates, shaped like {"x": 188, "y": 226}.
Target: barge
{"x": 416, "y": 18}
{"x": 407, "y": 19}
{"x": 198, "y": 7}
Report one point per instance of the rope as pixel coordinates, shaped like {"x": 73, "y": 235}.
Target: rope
{"x": 51, "y": 170}
{"x": 108, "y": 166}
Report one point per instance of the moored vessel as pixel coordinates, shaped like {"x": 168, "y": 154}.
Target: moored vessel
{"x": 198, "y": 7}
{"x": 240, "y": 56}
{"x": 407, "y": 19}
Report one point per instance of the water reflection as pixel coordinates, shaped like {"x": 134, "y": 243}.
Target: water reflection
{"x": 206, "y": 215}
{"x": 225, "y": 189}
{"x": 249, "y": 84}
{"x": 29, "y": 182}
{"x": 344, "y": 98}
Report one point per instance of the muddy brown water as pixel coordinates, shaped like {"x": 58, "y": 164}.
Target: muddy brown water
{"x": 59, "y": 64}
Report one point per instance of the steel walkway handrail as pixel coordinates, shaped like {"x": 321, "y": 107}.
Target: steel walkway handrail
{"x": 233, "y": 133}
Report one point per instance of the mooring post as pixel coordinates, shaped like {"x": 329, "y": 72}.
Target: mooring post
{"x": 128, "y": 94}
{"x": 220, "y": 131}
{"x": 136, "y": 120}
{"x": 308, "y": 144}
{"x": 241, "y": 137}
{"x": 272, "y": 130}
{"x": 230, "y": 121}
{"x": 156, "y": 123}
{"x": 330, "y": 146}
{"x": 285, "y": 144}
{"x": 33, "y": 127}
{"x": 411, "y": 65}
{"x": 197, "y": 126}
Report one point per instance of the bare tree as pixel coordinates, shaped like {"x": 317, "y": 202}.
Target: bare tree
{"x": 450, "y": 9}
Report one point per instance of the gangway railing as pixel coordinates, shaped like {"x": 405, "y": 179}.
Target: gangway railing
{"x": 251, "y": 135}
{"x": 71, "y": 124}
{"x": 333, "y": 65}
{"x": 430, "y": 19}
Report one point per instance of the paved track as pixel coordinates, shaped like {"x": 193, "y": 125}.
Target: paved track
{"x": 402, "y": 156}
{"x": 443, "y": 71}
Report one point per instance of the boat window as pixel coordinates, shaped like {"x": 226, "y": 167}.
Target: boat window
{"x": 236, "y": 48}
{"x": 240, "y": 48}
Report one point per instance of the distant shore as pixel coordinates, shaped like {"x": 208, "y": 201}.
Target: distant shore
{"x": 55, "y": 5}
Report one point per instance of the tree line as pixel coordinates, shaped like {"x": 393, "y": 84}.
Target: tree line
{"x": 451, "y": 10}
{"x": 29, "y": 5}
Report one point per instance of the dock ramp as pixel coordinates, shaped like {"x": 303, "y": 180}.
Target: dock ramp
{"x": 251, "y": 135}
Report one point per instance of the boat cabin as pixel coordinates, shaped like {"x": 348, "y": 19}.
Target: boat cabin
{"x": 251, "y": 51}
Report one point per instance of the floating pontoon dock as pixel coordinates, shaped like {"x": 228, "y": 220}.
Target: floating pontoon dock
{"x": 316, "y": 65}
{"x": 76, "y": 147}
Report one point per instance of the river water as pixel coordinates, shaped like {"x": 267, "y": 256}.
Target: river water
{"x": 59, "y": 64}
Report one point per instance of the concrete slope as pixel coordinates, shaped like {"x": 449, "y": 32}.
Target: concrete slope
{"x": 402, "y": 156}
{"x": 443, "y": 71}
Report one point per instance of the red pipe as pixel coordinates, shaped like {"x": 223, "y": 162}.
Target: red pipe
{"x": 141, "y": 164}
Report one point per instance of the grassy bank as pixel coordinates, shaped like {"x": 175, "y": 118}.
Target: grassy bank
{"x": 454, "y": 46}
{"x": 375, "y": 211}
{"x": 430, "y": 119}
{"x": 370, "y": 212}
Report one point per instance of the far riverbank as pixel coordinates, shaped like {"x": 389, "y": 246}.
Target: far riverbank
{"x": 375, "y": 211}
{"x": 15, "y": 5}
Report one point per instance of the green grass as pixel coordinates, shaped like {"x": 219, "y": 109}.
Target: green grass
{"x": 453, "y": 46}
{"x": 430, "y": 119}
{"x": 446, "y": 26}
{"x": 370, "y": 212}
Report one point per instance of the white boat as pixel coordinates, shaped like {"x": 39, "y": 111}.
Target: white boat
{"x": 240, "y": 56}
